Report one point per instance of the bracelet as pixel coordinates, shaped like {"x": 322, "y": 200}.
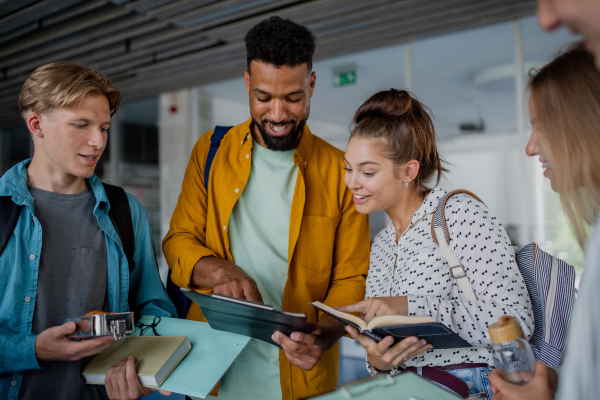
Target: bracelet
{"x": 375, "y": 371}
{"x": 393, "y": 371}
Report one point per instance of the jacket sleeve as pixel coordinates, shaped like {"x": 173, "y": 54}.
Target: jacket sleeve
{"x": 145, "y": 284}
{"x": 17, "y": 352}
{"x": 350, "y": 254}
{"x": 185, "y": 243}
{"x": 483, "y": 247}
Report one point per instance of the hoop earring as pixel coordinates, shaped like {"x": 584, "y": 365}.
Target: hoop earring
{"x": 406, "y": 184}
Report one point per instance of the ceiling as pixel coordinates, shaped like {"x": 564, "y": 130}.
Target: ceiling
{"x": 149, "y": 47}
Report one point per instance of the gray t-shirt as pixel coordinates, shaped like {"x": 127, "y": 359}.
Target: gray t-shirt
{"x": 71, "y": 282}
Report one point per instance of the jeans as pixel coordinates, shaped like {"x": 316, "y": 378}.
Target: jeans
{"x": 476, "y": 379}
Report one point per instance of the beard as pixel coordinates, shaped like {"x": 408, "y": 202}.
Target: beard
{"x": 279, "y": 143}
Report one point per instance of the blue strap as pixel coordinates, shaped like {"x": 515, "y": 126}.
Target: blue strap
{"x": 181, "y": 301}
{"x": 215, "y": 142}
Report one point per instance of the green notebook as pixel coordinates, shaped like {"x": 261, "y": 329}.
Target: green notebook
{"x": 406, "y": 386}
{"x": 211, "y": 355}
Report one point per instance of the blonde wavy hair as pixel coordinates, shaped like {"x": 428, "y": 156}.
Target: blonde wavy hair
{"x": 566, "y": 96}
{"x": 63, "y": 84}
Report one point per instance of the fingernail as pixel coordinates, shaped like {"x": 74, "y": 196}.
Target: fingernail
{"x": 275, "y": 336}
{"x": 423, "y": 342}
{"x": 295, "y": 336}
{"x": 413, "y": 340}
{"x": 346, "y": 328}
{"x": 389, "y": 340}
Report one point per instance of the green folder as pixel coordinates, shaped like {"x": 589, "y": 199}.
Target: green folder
{"x": 406, "y": 386}
{"x": 211, "y": 355}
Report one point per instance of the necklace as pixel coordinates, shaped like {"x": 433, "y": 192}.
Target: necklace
{"x": 403, "y": 226}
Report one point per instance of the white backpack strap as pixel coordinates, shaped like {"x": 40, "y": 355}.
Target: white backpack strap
{"x": 457, "y": 270}
{"x": 442, "y": 238}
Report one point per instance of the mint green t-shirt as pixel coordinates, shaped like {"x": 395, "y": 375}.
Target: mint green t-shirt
{"x": 258, "y": 235}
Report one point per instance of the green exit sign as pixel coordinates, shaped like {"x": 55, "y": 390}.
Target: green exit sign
{"x": 344, "y": 78}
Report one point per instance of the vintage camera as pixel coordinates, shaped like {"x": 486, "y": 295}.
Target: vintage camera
{"x": 116, "y": 324}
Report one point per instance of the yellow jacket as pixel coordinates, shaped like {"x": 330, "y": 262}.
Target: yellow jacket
{"x": 328, "y": 255}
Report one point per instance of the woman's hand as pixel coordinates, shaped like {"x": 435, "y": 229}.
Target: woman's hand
{"x": 541, "y": 387}
{"x": 378, "y": 306}
{"x": 386, "y": 355}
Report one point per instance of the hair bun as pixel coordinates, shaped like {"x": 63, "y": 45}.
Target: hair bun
{"x": 392, "y": 103}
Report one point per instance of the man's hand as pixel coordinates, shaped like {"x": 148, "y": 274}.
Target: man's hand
{"x": 122, "y": 382}
{"x": 235, "y": 282}
{"x": 226, "y": 278}
{"x": 397, "y": 305}
{"x": 541, "y": 387}
{"x": 304, "y": 350}
{"x": 385, "y": 355}
{"x": 53, "y": 344}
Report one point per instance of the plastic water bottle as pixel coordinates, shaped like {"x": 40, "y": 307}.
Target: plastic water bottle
{"x": 511, "y": 352}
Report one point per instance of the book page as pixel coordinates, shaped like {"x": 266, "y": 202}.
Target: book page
{"x": 391, "y": 320}
{"x": 339, "y": 314}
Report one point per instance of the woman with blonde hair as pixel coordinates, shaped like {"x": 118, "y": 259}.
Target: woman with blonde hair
{"x": 564, "y": 107}
{"x": 391, "y": 158}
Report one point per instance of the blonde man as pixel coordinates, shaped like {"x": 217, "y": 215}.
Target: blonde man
{"x": 64, "y": 257}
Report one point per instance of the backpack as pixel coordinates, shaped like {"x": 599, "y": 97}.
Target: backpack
{"x": 549, "y": 280}
{"x": 119, "y": 213}
{"x": 181, "y": 301}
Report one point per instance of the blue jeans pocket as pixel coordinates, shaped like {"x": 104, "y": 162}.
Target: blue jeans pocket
{"x": 476, "y": 379}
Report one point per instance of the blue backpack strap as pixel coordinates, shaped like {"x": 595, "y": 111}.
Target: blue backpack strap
{"x": 9, "y": 215}
{"x": 182, "y": 302}
{"x": 215, "y": 142}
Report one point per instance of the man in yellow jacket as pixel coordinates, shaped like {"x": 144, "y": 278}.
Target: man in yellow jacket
{"x": 275, "y": 224}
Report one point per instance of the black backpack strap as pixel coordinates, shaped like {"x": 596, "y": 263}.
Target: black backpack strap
{"x": 181, "y": 301}
{"x": 9, "y": 215}
{"x": 215, "y": 142}
{"x": 120, "y": 215}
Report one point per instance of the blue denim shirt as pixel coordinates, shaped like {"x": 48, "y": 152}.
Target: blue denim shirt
{"x": 19, "y": 263}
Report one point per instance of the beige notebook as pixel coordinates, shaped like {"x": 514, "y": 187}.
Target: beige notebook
{"x": 156, "y": 357}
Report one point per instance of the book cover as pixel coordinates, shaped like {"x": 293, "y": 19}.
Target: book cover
{"x": 247, "y": 318}
{"x": 400, "y": 327}
{"x": 156, "y": 357}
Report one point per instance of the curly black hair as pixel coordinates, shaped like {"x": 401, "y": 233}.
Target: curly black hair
{"x": 280, "y": 42}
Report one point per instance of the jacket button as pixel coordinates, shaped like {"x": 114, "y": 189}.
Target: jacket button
{"x": 27, "y": 299}
{"x": 236, "y": 190}
{"x": 224, "y": 227}
{"x": 32, "y": 257}
{"x": 14, "y": 383}
{"x": 247, "y": 156}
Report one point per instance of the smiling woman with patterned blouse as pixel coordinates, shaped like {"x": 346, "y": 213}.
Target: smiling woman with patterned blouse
{"x": 390, "y": 157}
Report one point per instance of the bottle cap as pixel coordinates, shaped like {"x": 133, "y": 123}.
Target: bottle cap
{"x": 505, "y": 330}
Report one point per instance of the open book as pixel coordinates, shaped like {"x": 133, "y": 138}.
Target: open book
{"x": 155, "y": 358}
{"x": 400, "y": 327}
{"x": 245, "y": 317}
